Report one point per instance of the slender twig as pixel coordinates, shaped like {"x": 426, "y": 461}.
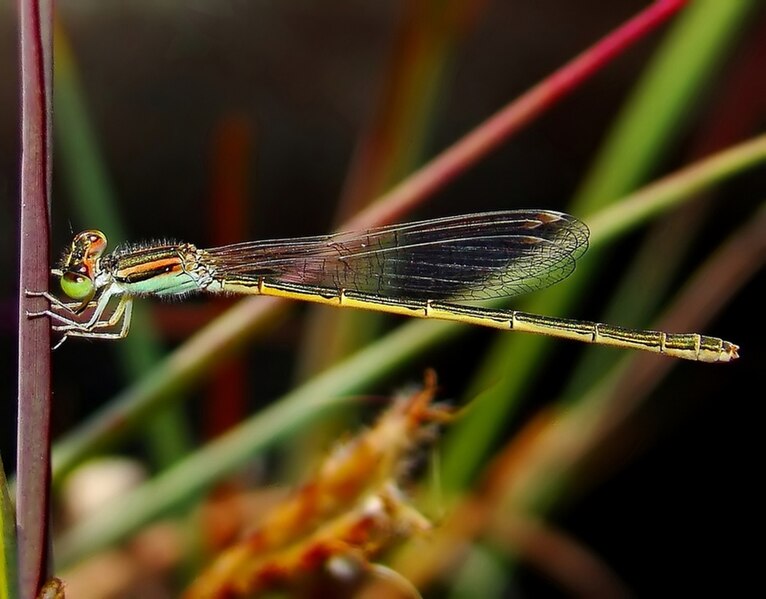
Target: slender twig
{"x": 33, "y": 462}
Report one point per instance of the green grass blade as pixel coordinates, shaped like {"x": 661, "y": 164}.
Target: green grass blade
{"x": 658, "y": 112}
{"x": 9, "y": 583}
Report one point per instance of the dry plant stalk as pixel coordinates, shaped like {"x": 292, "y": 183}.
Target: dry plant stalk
{"x": 350, "y": 510}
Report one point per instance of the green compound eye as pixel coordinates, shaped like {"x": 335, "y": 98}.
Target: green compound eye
{"x": 77, "y": 286}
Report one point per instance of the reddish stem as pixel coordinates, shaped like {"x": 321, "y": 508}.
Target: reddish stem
{"x": 33, "y": 459}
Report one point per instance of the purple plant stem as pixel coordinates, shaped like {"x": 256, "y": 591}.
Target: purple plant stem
{"x": 33, "y": 460}
{"x": 474, "y": 146}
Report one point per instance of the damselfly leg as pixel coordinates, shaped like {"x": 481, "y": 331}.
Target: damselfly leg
{"x": 91, "y": 319}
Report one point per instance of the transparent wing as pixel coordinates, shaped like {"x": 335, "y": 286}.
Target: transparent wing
{"x": 469, "y": 257}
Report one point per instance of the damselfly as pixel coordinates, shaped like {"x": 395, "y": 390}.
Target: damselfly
{"x": 407, "y": 269}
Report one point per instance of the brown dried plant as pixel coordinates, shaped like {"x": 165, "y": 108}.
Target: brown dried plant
{"x": 336, "y": 523}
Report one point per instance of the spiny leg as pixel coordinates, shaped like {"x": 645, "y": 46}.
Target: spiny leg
{"x": 67, "y": 316}
{"x": 55, "y": 301}
{"x": 52, "y": 299}
{"x": 101, "y": 304}
{"x": 122, "y": 311}
{"x": 73, "y": 327}
{"x": 125, "y": 309}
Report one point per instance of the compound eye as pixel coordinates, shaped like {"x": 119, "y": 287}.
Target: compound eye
{"x": 95, "y": 242}
{"x": 77, "y": 286}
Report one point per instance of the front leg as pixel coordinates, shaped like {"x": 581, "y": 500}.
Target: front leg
{"x": 101, "y": 302}
{"x": 66, "y": 314}
{"x": 62, "y": 312}
{"x": 54, "y": 301}
{"x": 122, "y": 312}
{"x": 124, "y": 317}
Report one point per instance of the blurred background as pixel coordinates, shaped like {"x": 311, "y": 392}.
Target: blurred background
{"x": 220, "y": 121}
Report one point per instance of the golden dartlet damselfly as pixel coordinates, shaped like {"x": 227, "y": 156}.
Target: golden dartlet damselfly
{"x": 407, "y": 269}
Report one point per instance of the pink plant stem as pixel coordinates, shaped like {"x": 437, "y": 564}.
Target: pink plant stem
{"x": 33, "y": 460}
{"x": 462, "y": 155}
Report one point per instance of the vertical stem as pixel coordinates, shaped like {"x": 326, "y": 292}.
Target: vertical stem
{"x": 33, "y": 461}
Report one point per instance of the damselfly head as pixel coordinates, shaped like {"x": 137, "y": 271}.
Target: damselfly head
{"x": 79, "y": 265}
